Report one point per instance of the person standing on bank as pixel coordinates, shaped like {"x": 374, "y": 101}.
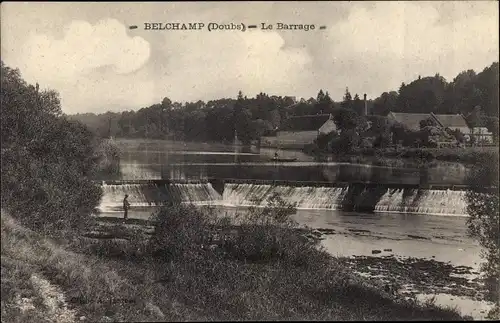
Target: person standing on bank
{"x": 126, "y": 206}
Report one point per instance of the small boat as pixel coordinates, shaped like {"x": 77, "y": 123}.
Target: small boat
{"x": 277, "y": 159}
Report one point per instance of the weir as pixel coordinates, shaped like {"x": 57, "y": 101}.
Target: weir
{"x": 155, "y": 193}
{"x": 362, "y": 197}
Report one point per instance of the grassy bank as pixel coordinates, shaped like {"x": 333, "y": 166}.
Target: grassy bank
{"x": 125, "y": 279}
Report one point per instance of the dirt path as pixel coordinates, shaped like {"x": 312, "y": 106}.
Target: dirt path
{"x": 53, "y": 299}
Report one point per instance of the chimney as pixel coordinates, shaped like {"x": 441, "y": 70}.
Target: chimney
{"x": 365, "y": 111}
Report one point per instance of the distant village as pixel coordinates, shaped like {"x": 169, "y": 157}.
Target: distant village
{"x": 299, "y": 131}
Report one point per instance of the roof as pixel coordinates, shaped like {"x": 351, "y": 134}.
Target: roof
{"x": 305, "y": 123}
{"x": 451, "y": 121}
{"x": 411, "y": 120}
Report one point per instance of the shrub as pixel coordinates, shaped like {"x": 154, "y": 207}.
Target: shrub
{"x": 260, "y": 235}
{"x": 107, "y": 154}
{"x": 323, "y": 139}
{"x": 181, "y": 230}
{"x": 270, "y": 234}
{"x": 311, "y": 149}
{"x": 346, "y": 142}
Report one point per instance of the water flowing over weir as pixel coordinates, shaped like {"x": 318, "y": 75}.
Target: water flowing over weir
{"x": 150, "y": 194}
{"x": 352, "y": 197}
{"x": 439, "y": 202}
{"x": 303, "y": 197}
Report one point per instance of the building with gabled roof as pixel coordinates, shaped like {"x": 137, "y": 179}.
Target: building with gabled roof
{"x": 483, "y": 134}
{"x": 452, "y": 121}
{"x": 297, "y": 131}
{"x": 305, "y": 123}
{"x": 410, "y": 120}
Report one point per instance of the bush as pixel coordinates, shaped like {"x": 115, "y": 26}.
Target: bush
{"x": 108, "y": 158}
{"x": 311, "y": 149}
{"x": 260, "y": 235}
{"x": 181, "y": 230}
{"x": 323, "y": 139}
{"x": 346, "y": 142}
{"x": 270, "y": 234}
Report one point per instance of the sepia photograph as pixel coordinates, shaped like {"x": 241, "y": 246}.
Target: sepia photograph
{"x": 250, "y": 161}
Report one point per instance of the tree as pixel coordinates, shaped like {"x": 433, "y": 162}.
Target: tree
{"x": 487, "y": 85}
{"x": 324, "y": 103}
{"x": 381, "y": 129}
{"x": 260, "y": 128}
{"x": 51, "y": 102}
{"x": 458, "y": 135}
{"x": 358, "y": 105}
{"x": 321, "y": 96}
{"x": 346, "y": 142}
{"x": 386, "y": 103}
{"x": 347, "y": 100}
{"x": 429, "y": 122}
{"x": 324, "y": 139}
{"x": 242, "y": 119}
{"x": 424, "y": 95}
{"x": 483, "y": 222}
{"x": 491, "y": 124}
{"x": 399, "y": 132}
{"x": 48, "y": 161}
{"x": 275, "y": 118}
{"x": 345, "y": 119}
{"x": 166, "y": 103}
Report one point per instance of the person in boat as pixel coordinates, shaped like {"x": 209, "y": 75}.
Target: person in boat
{"x": 276, "y": 155}
{"x": 126, "y": 207}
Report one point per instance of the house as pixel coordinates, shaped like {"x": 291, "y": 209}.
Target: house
{"x": 298, "y": 131}
{"x": 453, "y": 122}
{"x": 450, "y": 121}
{"x": 458, "y": 121}
{"x": 410, "y": 120}
{"x": 482, "y": 134}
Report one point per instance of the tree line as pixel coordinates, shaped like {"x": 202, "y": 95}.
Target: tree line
{"x": 473, "y": 94}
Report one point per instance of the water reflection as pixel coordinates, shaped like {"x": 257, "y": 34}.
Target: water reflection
{"x": 168, "y": 160}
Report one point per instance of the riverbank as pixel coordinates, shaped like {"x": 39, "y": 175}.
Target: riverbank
{"x": 437, "y": 269}
{"x": 417, "y": 267}
{"x": 421, "y": 256}
{"x": 416, "y": 156}
{"x": 114, "y": 279}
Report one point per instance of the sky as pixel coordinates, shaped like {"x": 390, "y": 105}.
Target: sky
{"x": 87, "y": 52}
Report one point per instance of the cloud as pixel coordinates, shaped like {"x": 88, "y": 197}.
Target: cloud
{"x": 220, "y": 63}
{"x": 396, "y": 41}
{"x": 85, "y": 47}
{"x": 73, "y": 64}
{"x": 90, "y": 65}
